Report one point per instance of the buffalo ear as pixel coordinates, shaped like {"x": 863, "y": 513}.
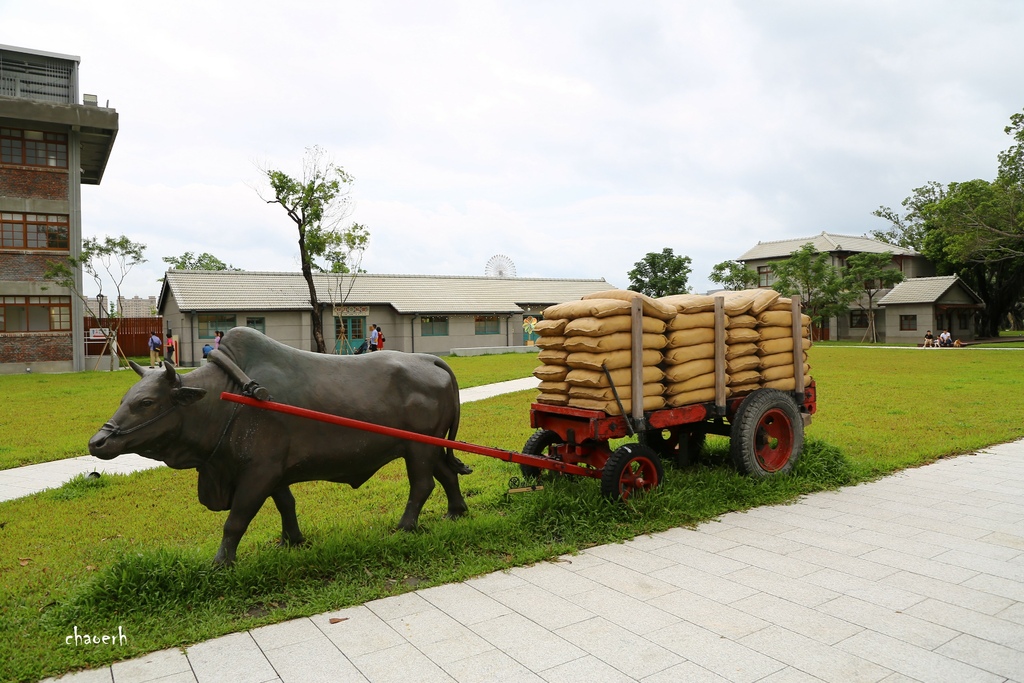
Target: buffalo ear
{"x": 186, "y": 396}
{"x": 137, "y": 368}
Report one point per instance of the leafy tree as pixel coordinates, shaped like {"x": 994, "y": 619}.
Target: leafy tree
{"x": 733, "y": 275}
{"x": 189, "y": 261}
{"x": 317, "y": 203}
{"x": 822, "y": 289}
{"x": 974, "y": 229}
{"x": 660, "y": 274}
{"x": 867, "y": 274}
{"x": 108, "y": 259}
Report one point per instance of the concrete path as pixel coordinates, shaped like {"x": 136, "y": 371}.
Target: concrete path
{"x": 22, "y": 481}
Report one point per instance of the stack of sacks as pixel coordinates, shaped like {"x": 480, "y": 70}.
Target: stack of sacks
{"x": 552, "y": 372}
{"x": 742, "y": 362}
{"x": 775, "y": 327}
{"x": 596, "y": 333}
{"x": 690, "y": 355}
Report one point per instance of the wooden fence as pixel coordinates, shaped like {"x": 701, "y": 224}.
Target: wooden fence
{"x": 132, "y": 335}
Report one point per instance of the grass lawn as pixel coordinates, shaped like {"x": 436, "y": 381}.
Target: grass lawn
{"x": 134, "y": 552}
{"x": 34, "y": 405}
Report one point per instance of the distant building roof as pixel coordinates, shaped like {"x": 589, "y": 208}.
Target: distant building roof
{"x": 228, "y": 290}
{"x": 825, "y": 243}
{"x": 925, "y": 290}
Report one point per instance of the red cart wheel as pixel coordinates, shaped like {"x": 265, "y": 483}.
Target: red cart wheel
{"x": 541, "y": 442}
{"x": 767, "y": 434}
{"x": 630, "y": 469}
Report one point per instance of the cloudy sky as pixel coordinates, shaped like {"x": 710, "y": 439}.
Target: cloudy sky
{"x": 573, "y": 137}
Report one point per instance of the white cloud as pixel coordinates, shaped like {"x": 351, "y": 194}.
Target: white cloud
{"x": 573, "y": 137}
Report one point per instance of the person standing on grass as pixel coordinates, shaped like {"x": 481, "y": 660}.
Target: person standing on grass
{"x": 171, "y": 348}
{"x": 154, "y": 349}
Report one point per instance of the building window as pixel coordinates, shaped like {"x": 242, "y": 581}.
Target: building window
{"x": 908, "y": 323}
{"x": 859, "y": 319}
{"x": 33, "y": 148}
{"x": 487, "y": 324}
{"x": 965, "y": 320}
{"x": 33, "y": 231}
{"x": 434, "y": 326}
{"x": 765, "y": 276}
{"x": 35, "y": 313}
{"x": 210, "y": 324}
{"x": 258, "y": 324}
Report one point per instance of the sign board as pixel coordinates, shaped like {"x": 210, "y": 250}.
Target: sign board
{"x": 99, "y": 332}
{"x": 347, "y": 311}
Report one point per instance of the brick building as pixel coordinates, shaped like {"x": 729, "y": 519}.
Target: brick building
{"x": 50, "y": 145}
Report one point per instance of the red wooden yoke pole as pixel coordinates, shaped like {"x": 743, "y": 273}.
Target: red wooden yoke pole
{"x": 501, "y": 454}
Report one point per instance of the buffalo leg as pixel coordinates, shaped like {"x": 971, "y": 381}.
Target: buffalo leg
{"x": 244, "y": 506}
{"x": 450, "y": 483}
{"x": 419, "y": 467}
{"x": 285, "y": 501}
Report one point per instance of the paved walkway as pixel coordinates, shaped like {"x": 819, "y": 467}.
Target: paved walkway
{"x": 916, "y": 577}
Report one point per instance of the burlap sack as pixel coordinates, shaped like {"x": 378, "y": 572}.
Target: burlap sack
{"x": 750, "y": 362}
{"x": 651, "y": 306}
{"x": 781, "y": 372}
{"x": 598, "y": 327}
{"x": 777, "y": 359}
{"x": 783, "y": 303}
{"x": 553, "y": 399}
{"x": 613, "y": 342}
{"x": 744, "y": 388}
{"x": 699, "y": 382}
{"x": 689, "y": 303}
{"x": 553, "y": 356}
{"x": 788, "y": 384}
{"x": 775, "y": 332}
{"x": 691, "y": 337}
{"x": 691, "y": 321}
{"x": 745, "y": 377}
{"x": 606, "y": 393}
{"x": 767, "y": 348}
{"x": 551, "y": 373}
{"x": 612, "y": 408}
{"x": 550, "y": 328}
{"x": 738, "y": 321}
{"x": 591, "y": 308}
{"x": 691, "y": 397}
{"x": 763, "y": 300}
{"x": 742, "y": 335}
{"x": 685, "y": 371}
{"x": 684, "y": 354}
{"x": 598, "y": 379}
{"x": 550, "y": 342}
{"x": 783, "y": 318}
{"x": 738, "y": 303}
{"x": 739, "y": 350}
{"x": 611, "y": 360}
{"x": 549, "y": 387}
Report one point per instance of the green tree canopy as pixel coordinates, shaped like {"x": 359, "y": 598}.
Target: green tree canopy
{"x": 189, "y": 261}
{"x": 867, "y": 274}
{"x": 810, "y": 274}
{"x": 733, "y": 275}
{"x": 317, "y": 203}
{"x": 973, "y": 228}
{"x": 661, "y": 274}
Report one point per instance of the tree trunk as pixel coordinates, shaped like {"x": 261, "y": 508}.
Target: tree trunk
{"x": 307, "y": 273}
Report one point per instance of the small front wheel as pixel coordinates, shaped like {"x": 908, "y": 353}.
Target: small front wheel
{"x": 542, "y": 442}
{"x": 630, "y": 469}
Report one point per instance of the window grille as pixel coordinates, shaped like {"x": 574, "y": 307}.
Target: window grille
{"x": 36, "y": 77}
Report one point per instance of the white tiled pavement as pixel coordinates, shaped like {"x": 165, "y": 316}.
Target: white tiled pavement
{"x": 915, "y": 577}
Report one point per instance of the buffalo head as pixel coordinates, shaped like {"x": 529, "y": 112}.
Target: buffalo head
{"x": 149, "y": 413}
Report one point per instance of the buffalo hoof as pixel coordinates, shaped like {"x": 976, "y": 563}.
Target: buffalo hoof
{"x": 291, "y": 542}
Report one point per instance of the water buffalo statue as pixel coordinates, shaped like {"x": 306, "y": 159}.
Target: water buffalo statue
{"x": 245, "y": 455}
